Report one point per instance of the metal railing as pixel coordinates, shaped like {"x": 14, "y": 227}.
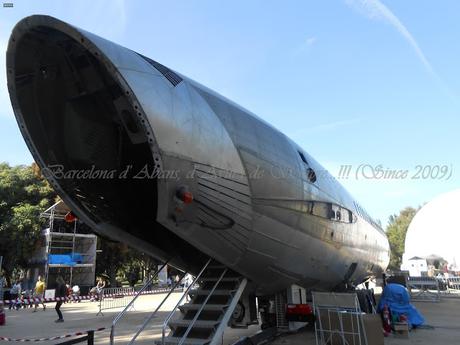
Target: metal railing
{"x": 168, "y": 318}
{"x": 131, "y": 303}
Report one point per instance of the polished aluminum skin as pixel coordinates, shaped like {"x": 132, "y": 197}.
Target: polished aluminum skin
{"x": 261, "y": 204}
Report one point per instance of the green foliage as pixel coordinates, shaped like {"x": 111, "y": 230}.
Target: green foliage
{"x": 396, "y": 231}
{"x": 118, "y": 262}
{"x": 112, "y": 257}
{"x": 24, "y": 193}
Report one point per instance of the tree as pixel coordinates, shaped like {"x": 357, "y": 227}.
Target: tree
{"x": 118, "y": 260}
{"x": 24, "y": 194}
{"x": 112, "y": 257}
{"x": 396, "y": 232}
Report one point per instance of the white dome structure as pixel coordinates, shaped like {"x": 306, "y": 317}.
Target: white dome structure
{"x": 435, "y": 229}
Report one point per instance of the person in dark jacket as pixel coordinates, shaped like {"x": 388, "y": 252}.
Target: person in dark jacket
{"x": 61, "y": 292}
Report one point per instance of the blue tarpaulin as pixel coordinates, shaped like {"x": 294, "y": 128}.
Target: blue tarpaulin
{"x": 65, "y": 259}
{"x": 397, "y": 298}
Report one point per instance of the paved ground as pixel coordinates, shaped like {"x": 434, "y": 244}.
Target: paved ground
{"x": 443, "y": 316}
{"x": 82, "y": 316}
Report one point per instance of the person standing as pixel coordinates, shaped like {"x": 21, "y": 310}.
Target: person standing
{"x": 15, "y": 292}
{"x": 100, "y": 288}
{"x": 97, "y": 291}
{"x": 2, "y": 285}
{"x": 39, "y": 293}
{"x": 169, "y": 282}
{"x": 61, "y": 292}
{"x": 188, "y": 280}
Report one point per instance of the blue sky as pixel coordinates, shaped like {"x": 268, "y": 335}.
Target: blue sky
{"x": 351, "y": 81}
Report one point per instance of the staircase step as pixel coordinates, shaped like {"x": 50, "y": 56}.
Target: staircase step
{"x": 224, "y": 279}
{"x": 215, "y": 266}
{"x": 230, "y": 285}
{"x": 188, "y": 341}
{"x": 224, "y": 292}
{"x": 198, "y": 324}
{"x": 207, "y": 307}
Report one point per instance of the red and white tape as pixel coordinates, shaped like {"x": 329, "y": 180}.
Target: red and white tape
{"x": 52, "y": 338}
{"x": 33, "y": 300}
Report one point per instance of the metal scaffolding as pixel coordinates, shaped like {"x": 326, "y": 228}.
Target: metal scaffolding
{"x": 68, "y": 249}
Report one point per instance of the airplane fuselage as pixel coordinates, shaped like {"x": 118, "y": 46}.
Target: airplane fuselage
{"x": 194, "y": 174}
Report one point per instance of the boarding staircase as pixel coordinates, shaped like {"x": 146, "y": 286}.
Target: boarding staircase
{"x": 203, "y": 320}
{"x": 214, "y": 294}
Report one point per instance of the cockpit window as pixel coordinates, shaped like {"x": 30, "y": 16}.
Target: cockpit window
{"x": 303, "y": 158}
{"x": 311, "y": 175}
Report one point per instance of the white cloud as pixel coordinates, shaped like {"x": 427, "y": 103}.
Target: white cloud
{"x": 311, "y": 40}
{"x": 374, "y": 9}
{"x": 326, "y": 127}
{"x": 304, "y": 47}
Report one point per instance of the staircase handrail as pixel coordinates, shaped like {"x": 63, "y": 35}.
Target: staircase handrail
{"x": 152, "y": 315}
{"x": 123, "y": 312}
{"x": 168, "y": 318}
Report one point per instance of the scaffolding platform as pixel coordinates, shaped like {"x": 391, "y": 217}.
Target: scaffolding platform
{"x": 67, "y": 249}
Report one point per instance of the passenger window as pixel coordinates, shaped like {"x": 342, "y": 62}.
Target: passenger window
{"x": 322, "y": 210}
{"x": 332, "y": 215}
{"x": 330, "y": 211}
{"x": 310, "y": 207}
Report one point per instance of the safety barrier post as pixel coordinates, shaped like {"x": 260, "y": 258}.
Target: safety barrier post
{"x": 100, "y": 307}
{"x": 88, "y": 338}
{"x": 91, "y": 338}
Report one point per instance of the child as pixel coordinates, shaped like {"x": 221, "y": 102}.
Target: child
{"x": 39, "y": 293}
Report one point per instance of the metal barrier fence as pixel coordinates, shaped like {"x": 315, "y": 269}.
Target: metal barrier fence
{"x": 424, "y": 289}
{"x": 432, "y": 289}
{"x": 339, "y": 319}
{"x": 453, "y": 283}
{"x": 450, "y": 286}
{"x": 110, "y": 298}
